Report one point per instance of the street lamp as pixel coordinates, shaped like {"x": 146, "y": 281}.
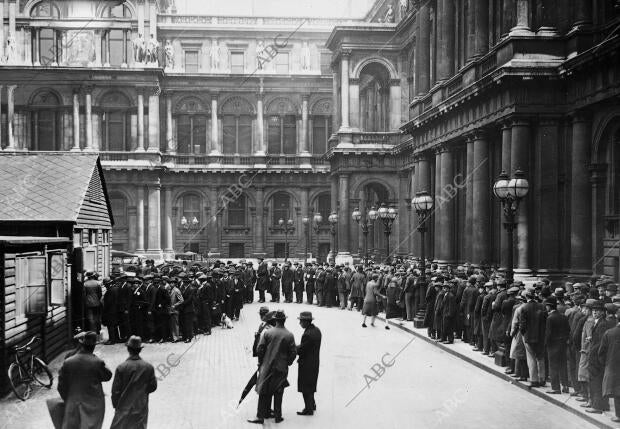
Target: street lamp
{"x": 306, "y": 221}
{"x": 388, "y": 216}
{"x": 423, "y": 204}
{"x": 317, "y": 220}
{"x": 365, "y": 222}
{"x": 333, "y": 222}
{"x": 288, "y": 228}
{"x": 510, "y": 192}
{"x": 189, "y": 226}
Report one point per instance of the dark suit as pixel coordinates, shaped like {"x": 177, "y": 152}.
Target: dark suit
{"x": 595, "y": 367}
{"x": 262, "y": 280}
{"x": 609, "y": 356}
{"x": 79, "y": 385}
{"x": 298, "y": 278}
{"x": 110, "y": 311}
{"x": 188, "y": 311}
{"x": 556, "y": 338}
{"x": 449, "y": 314}
{"x": 134, "y": 380}
{"x": 287, "y": 284}
{"x": 308, "y": 351}
{"x": 532, "y": 325}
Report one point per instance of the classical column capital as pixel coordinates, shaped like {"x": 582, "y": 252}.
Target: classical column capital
{"x": 345, "y": 53}
{"x": 86, "y": 89}
{"x": 394, "y": 82}
{"x": 479, "y": 134}
{"x": 520, "y": 121}
{"x": 598, "y": 173}
{"x": 305, "y": 96}
{"x": 580, "y": 116}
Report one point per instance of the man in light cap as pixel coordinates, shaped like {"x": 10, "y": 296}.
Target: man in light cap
{"x": 308, "y": 360}
{"x": 276, "y": 352}
{"x": 134, "y": 380}
{"x": 79, "y": 385}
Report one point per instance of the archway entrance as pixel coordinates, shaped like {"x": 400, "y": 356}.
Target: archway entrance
{"x": 372, "y": 195}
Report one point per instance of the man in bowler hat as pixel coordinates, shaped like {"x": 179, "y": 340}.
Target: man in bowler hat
{"x": 308, "y": 360}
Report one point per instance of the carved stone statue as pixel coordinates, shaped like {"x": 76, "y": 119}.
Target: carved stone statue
{"x": 151, "y": 50}
{"x": 404, "y": 8}
{"x": 11, "y": 49}
{"x": 306, "y": 57}
{"x": 260, "y": 54}
{"x": 139, "y": 49}
{"x": 169, "y": 51}
{"x": 389, "y": 15}
{"x": 215, "y": 56}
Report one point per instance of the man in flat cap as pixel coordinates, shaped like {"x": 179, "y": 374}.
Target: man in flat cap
{"x": 134, "y": 380}
{"x": 308, "y": 360}
{"x": 276, "y": 352}
{"x": 79, "y": 385}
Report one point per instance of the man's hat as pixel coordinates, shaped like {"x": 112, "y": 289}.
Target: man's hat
{"x": 279, "y": 315}
{"x": 80, "y": 336}
{"x": 513, "y": 290}
{"x": 305, "y": 315}
{"x": 182, "y": 275}
{"x": 594, "y": 304}
{"x": 611, "y": 287}
{"x": 263, "y": 310}
{"x": 89, "y": 339}
{"x": 551, "y": 301}
{"x": 135, "y": 343}
{"x": 559, "y": 291}
{"x": 578, "y": 285}
{"x": 107, "y": 280}
{"x": 611, "y": 308}
{"x": 202, "y": 277}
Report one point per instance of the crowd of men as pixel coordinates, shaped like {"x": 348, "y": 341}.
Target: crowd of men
{"x": 534, "y": 329}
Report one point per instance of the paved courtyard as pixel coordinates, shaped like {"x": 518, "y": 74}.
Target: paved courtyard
{"x": 370, "y": 378}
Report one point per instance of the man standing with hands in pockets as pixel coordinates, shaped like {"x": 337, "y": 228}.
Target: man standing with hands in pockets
{"x": 308, "y": 360}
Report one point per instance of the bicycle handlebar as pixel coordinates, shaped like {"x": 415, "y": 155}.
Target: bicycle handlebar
{"x": 25, "y": 346}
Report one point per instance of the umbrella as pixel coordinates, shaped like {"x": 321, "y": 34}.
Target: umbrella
{"x": 248, "y": 387}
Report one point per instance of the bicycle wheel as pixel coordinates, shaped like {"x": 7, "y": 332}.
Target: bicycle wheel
{"x": 42, "y": 373}
{"x": 20, "y": 384}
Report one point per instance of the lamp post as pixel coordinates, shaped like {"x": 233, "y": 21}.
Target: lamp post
{"x": 365, "y": 221}
{"x": 306, "y": 221}
{"x": 423, "y": 204}
{"x": 510, "y": 192}
{"x": 317, "y": 220}
{"x": 189, "y": 226}
{"x": 333, "y": 222}
{"x": 288, "y": 228}
{"x": 388, "y": 216}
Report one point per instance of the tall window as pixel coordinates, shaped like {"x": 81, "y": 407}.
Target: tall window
{"x": 281, "y": 207}
{"x": 282, "y": 63}
{"x": 321, "y": 131}
{"x": 237, "y": 134}
{"x": 326, "y": 60}
{"x": 46, "y": 133}
{"x": 374, "y": 96}
{"x": 191, "y": 207}
{"x": 237, "y": 62}
{"x": 237, "y": 115}
{"x": 283, "y": 134}
{"x": 47, "y": 46}
{"x": 236, "y": 211}
{"x": 324, "y": 206}
{"x": 191, "y": 126}
{"x": 191, "y": 61}
{"x": 115, "y": 122}
{"x": 117, "y": 41}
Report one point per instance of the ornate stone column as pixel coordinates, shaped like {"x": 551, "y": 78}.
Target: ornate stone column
{"x": 131, "y": 226}
{"x": 523, "y": 26}
{"x": 423, "y": 175}
{"x": 344, "y": 92}
{"x": 583, "y": 15}
{"x": 481, "y": 198}
{"x": 89, "y": 118}
{"x": 171, "y": 146}
{"x": 547, "y": 12}
{"x": 519, "y": 159}
{"x": 259, "y": 238}
{"x": 216, "y": 147}
{"x": 303, "y": 150}
{"x": 446, "y": 207}
{"x": 423, "y": 50}
{"x": 438, "y": 236}
{"x": 581, "y": 193}
{"x": 508, "y": 16}
{"x": 335, "y": 115}
{"x": 76, "y": 120}
{"x": 445, "y": 39}
{"x": 168, "y": 225}
{"x": 140, "y": 219}
{"x": 506, "y": 166}
{"x": 154, "y": 246}
{"x": 261, "y": 150}
{"x": 214, "y": 230}
{"x": 140, "y": 147}
{"x": 344, "y": 218}
{"x": 482, "y": 26}
{"x": 154, "y": 120}
{"x": 10, "y": 117}
{"x": 469, "y": 200}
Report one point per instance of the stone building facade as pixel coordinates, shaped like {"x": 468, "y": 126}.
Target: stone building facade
{"x": 238, "y": 121}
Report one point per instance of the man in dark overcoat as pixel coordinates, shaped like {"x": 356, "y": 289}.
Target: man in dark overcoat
{"x": 287, "y": 282}
{"x": 110, "y": 310}
{"x": 134, "y": 380}
{"x": 609, "y": 356}
{"x": 298, "y": 278}
{"x": 310, "y": 279}
{"x": 248, "y": 277}
{"x": 449, "y": 313}
{"x": 595, "y": 367}
{"x": 275, "y": 275}
{"x": 79, "y": 385}
{"x": 557, "y": 333}
{"x": 429, "y": 317}
{"x": 308, "y": 360}
{"x": 276, "y": 352}
{"x": 262, "y": 279}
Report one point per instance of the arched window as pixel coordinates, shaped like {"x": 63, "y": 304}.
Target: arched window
{"x": 119, "y": 210}
{"x": 281, "y": 207}
{"x": 282, "y": 127}
{"x": 45, "y": 117}
{"x": 45, "y": 9}
{"x": 115, "y": 122}
{"x": 191, "y": 207}
{"x": 374, "y": 98}
{"x": 237, "y": 211}
{"x": 321, "y": 126}
{"x": 116, "y": 42}
{"x": 237, "y": 115}
{"x": 118, "y": 11}
{"x": 191, "y": 126}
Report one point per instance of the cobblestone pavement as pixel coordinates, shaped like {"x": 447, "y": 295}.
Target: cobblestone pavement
{"x": 369, "y": 378}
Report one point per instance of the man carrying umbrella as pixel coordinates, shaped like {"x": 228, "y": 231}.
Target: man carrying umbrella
{"x": 308, "y": 361}
{"x": 276, "y": 352}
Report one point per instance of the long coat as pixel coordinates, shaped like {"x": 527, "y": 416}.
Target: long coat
{"x": 583, "y": 372}
{"x": 134, "y": 379}
{"x": 609, "y": 356}
{"x": 429, "y": 317}
{"x": 276, "y": 352}
{"x": 358, "y": 280}
{"x": 308, "y": 359}
{"x": 262, "y": 282}
{"x": 110, "y": 305}
{"x": 79, "y": 385}
{"x": 594, "y": 365}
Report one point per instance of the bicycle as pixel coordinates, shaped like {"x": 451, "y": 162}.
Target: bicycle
{"x": 26, "y": 369}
